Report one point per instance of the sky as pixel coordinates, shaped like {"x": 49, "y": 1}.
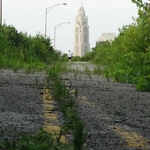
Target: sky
{"x": 104, "y": 16}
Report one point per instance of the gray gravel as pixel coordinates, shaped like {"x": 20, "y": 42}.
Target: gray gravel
{"x": 21, "y": 109}
{"x": 108, "y": 109}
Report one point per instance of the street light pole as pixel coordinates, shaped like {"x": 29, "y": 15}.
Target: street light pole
{"x": 46, "y": 11}
{"x": 55, "y": 31}
{"x": 0, "y": 11}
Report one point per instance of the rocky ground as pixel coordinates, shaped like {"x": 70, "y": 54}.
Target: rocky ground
{"x": 21, "y": 109}
{"x": 116, "y": 116}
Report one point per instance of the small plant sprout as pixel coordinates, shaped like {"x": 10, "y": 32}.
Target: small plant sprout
{"x": 36, "y": 80}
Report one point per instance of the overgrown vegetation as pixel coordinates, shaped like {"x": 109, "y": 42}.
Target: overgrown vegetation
{"x": 20, "y": 51}
{"x": 39, "y": 141}
{"x": 128, "y": 57}
{"x": 66, "y": 102}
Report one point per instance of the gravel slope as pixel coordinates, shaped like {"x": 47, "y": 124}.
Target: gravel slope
{"x": 21, "y": 109}
{"x": 116, "y": 116}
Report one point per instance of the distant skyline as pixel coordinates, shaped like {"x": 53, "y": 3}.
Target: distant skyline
{"x": 103, "y": 16}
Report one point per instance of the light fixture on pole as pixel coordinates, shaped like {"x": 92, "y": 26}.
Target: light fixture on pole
{"x": 0, "y": 11}
{"x": 55, "y": 31}
{"x": 46, "y": 11}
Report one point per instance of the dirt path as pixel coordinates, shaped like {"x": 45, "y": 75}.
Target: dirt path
{"x": 116, "y": 116}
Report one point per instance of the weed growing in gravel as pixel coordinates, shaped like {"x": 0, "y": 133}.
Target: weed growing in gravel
{"x": 79, "y": 137}
{"x": 120, "y": 112}
{"x": 36, "y": 80}
{"x": 148, "y": 115}
{"x": 97, "y": 70}
{"x": 121, "y": 96}
{"x": 66, "y": 103}
{"x": 39, "y": 141}
{"x": 76, "y": 92}
{"x": 88, "y": 72}
{"x": 75, "y": 75}
{"x": 76, "y": 72}
{"x": 72, "y": 123}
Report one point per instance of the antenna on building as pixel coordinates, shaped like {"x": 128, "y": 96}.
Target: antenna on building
{"x": 82, "y": 1}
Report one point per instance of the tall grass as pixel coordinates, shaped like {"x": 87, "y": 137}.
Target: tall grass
{"x": 25, "y": 50}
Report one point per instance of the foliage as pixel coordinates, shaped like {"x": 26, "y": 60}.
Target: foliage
{"x": 17, "y": 51}
{"x": 127, "y": 57}
{"x": 76, "y": 58}
{"x": 88, "y": 56}
{"x": 79, "y": 137}
{"x": 60, "y": 93}
{"x": 66, "y": 103}
{"x": 17, "y": 47}
{"x": 39, "y": 141}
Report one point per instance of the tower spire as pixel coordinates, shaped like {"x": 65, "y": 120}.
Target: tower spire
{"x": 82, "y": 1}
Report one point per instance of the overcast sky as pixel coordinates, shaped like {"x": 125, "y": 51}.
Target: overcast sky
{"x": 104, "y": 16}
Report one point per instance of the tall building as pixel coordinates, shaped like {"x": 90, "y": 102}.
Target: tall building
{"x": 81, "y": 34}
{"x": 146, "y": 8}
{"x": 106, "y": 37}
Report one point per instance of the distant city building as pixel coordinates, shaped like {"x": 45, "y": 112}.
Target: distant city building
{"x": 146, "y": 6}
{"x": 106, "y": 37}
{"x": 81, "y": 34}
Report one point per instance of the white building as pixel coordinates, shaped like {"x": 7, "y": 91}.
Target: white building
{"x": 106, "y": 37}
{"x": 81, "y": 34}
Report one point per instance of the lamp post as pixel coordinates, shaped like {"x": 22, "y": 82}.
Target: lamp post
{"x": 46, "y": 11}
{"x": 55, "y": 31}
{"x": 0, "y": 11}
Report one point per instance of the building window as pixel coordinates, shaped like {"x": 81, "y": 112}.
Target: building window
{"x": 85, "y": 49}
{"x": 85, "y": 38}
{"x": 77, "y": 39}
{"x": 77, "y": 29}
{"x": 85, "y": 29}
{"x": 77, "y": 50}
